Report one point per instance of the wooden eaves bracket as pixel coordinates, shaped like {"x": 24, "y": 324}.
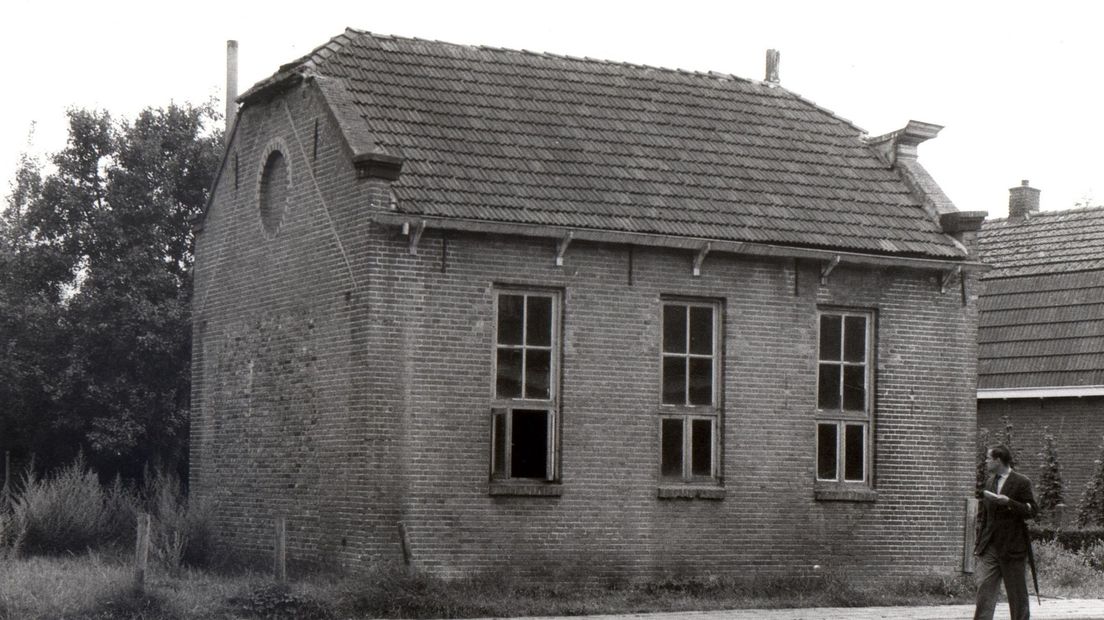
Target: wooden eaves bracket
{"x": 700, "y": 258}
{"x": 827, "y": 269}
{"x": 415, "y": 234}
{"x": 561, "y": 247}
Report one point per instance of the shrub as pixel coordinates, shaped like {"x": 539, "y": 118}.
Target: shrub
{"x": 984, "y": 439}
{"x": 1050, "y": 476}
{"x": 69, "y": 512}
{"x": 1090, "y": 510}
{"x": 182, "y": 534}
{"x": 1071, "y": 540}
{"x": 1093, "y": 553}
{"x": 1062, "y": 568}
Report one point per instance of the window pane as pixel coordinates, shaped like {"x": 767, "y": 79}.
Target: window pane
{"x": 538, "y": 369}
{"x": 701, "y": 447}
{"x": 828, "y": 388}
{"x": 529, "y": 444}
{"x": 854, "y": 341}
{"x": 674, "y": 329}
{"x": 830, "y": 337}
{"x": 538, "y": 318}
{"x": 671, "y": 441}
{"x": 826, "y": 451}
{"x": 498, "y": 463}
{"x": 854, "y": 388}
{"x": 854, "y": 453}
{"x": 701, "y": 381}
{"x": 701, "y": 330}
{"x": 674, "y": 380}
{"x": 510, "y": 311}
{"x": 508, "y": 381}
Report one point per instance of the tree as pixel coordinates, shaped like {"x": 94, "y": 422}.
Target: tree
{"x": 1050, "y": 475}
{"x": 982, "y": 443}
{"x": 100, "y": 257}
{"x": 1090, "y": 510}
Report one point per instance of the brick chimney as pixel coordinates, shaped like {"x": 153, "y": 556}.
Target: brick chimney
{"x": 231, "y": 86}
{"x": 1022, "y": 201}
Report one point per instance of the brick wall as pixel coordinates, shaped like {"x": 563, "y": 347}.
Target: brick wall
{"x": 345, "y": 383}
{"x": 1077, "y": 426}
{"x": 609, "y": 517}
{"x": 292, "y": 415}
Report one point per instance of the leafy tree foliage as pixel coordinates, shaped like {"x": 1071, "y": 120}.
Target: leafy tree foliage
{"x": 95, "y": 289}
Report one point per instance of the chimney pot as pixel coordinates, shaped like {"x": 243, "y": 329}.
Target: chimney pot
{"x": 1022, "y": 201}
{"x": 773, "y": 58}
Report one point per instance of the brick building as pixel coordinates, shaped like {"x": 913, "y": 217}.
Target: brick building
{"x": 1041, "y": 334}
{"x": 551, "y": 313}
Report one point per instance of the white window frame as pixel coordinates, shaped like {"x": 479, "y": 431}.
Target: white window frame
{"x": 506, "y": 406}
{"x": 686, "y": 412}
{"x": 842, "y": 418}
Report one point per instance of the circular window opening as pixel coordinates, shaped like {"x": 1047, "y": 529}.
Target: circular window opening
{"x": 274, "y": 192}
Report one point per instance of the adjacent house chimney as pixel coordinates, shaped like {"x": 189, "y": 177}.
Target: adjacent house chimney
{"x": 1022, "y": 201}
{"x": 772, "y": 66}
{"x": 231, "y": 85}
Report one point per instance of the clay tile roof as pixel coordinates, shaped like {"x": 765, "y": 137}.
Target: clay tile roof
{"x": 530, "y": 138}
{"x": 1041, "y": 312}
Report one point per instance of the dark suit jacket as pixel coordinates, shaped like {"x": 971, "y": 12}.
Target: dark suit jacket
{"x": 1003, "y": 526}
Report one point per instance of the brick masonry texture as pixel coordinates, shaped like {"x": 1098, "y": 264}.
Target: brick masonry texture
{"x": 346, "y": 384}
{"x": 1078, "y": 435}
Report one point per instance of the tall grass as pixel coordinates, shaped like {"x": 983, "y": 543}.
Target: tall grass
{"x": 1072, "y": 574}
{"x": 182, "y": 532}
{"x": 68, "y": 512}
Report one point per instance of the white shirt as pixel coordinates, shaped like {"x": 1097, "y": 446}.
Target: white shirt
{"x": 1000, "y": 481}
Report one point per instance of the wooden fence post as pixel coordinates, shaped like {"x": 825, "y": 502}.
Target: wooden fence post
{"x": 281, "y": 550}
{"x": 141, "y": 550}
{"x": 970, "y": 532}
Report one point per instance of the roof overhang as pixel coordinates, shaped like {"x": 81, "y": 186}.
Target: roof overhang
{"x": 1067, "y": 391}
{"x": 414, "y": 221}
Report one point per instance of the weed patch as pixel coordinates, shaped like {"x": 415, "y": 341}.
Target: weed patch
{"x": 69, "y": 512}
{"x": 128, "y": 603}
{"x": 279, "y": 602}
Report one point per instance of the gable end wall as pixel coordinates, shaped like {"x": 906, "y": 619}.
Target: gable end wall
{"x": 290, "y": 416}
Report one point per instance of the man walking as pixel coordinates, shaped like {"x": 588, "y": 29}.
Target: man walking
{"x": 1002, "y": 544}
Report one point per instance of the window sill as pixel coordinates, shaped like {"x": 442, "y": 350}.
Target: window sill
{"x": 836, "y": 494}
{"x": 689, "y": 492}
{"x": 529, "y": 489}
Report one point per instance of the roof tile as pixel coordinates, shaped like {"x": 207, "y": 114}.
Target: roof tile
{"x": 536, "y": 138}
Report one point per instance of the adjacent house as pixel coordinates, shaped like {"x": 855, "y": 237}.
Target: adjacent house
{"x": 481, "y": 309}
{"x": 1041, "y": 333}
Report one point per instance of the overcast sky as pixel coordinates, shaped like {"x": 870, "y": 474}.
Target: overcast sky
{"x": 1018, "y": 86}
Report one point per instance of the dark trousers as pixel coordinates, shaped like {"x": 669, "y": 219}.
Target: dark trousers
{"x": 989, "y": 571}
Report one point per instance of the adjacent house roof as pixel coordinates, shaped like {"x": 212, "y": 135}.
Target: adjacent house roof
{"x": 1041, "y": 322}
{"x": 504, "y": 136}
